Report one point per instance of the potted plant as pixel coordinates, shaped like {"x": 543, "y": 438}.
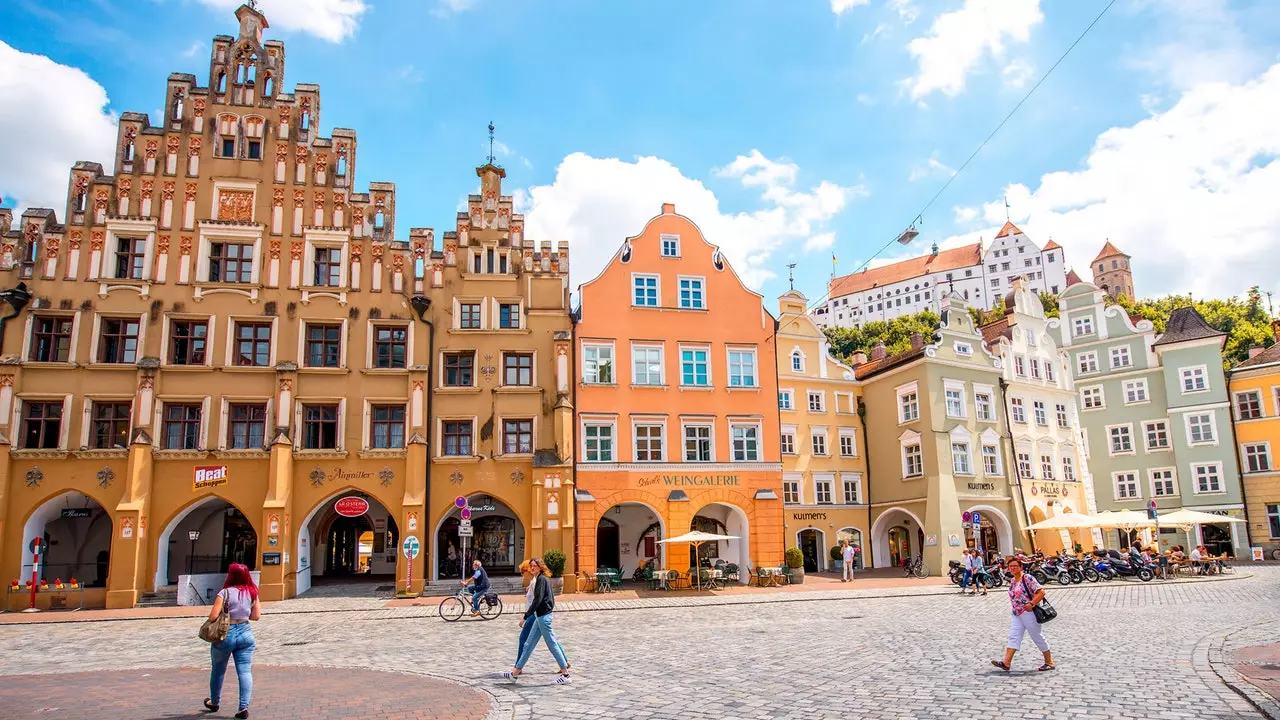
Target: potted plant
{"x": 555, "y": 560}
{"x": 837, "y": 559}
{"x": 795, "y": 561}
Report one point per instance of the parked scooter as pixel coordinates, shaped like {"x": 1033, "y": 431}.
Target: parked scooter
{"x": 1124, "y": 567}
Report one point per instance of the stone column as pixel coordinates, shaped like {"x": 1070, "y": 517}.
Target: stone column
{"x": 277, "y": 582}
{"x": 413, "y": 517}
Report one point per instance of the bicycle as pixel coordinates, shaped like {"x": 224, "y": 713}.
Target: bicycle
{"x": 915, "y": 566}
{"x": 454, "y": 607}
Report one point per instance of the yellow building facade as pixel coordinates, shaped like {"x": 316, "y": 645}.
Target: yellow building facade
{"x": 1255, "y": 398}
{"x": 823, "y": 452}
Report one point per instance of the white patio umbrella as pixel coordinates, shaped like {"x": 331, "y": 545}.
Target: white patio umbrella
{"x": 697, "y": 538}
{"x": 1065, "y": 521}
{"x": 1122, "y": 519}
{"x": 1187, "y": 518}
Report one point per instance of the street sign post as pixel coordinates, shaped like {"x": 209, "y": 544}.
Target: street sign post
{"x": 411, "y": 548}
{"x": 976, "y": 519}
{"x": 37, "y": 544}
{"x": 465, "y": 530}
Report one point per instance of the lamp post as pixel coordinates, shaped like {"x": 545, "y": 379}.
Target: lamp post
{"x": 192, "y": 535}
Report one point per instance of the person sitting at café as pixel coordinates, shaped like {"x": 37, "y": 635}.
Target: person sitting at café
{"x": 1198, "y": 560}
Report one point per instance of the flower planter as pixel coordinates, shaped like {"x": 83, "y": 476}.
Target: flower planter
{"x": 797, "y": 576}
{"x": 557, "y": 585}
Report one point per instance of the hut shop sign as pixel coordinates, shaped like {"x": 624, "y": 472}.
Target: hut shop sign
{"x": 691, "y": 481}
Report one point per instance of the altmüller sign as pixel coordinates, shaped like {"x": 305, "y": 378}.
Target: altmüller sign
{"x": 351, "y": 506}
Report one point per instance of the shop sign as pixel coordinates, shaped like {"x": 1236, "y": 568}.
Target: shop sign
{"x": 77, "y": 512}
{"x": 380, "y": 524}
{"x": 982, "y": 486}
{"x": 809, "y": 516}
{"x": 271, "y": 558}
{"x": 207, "y": 476}
{"x": 490, "y": 507}
{"x": 351, "y": 506}
{"x": 690, "y": 481}
{"x": 1048, "y": 489}
{"x": 930, "y": 540}
{"x": 348, "y": 475}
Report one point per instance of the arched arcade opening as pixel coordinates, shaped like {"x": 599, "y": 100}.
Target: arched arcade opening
{"x": 77, "y": 533}
{"x": 348, "y": 536}
{"x": 497, "y": 540}
{"x": 723, "y": 519}
{"x": 627, "y": 535}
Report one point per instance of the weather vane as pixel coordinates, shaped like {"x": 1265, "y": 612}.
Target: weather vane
{"x": 490, "y": 142}
{"x": 791, "y": 275}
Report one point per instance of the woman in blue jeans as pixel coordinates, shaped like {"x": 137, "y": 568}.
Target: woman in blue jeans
{"x": 239, "y": 595}
{"x": 537, "y": 620}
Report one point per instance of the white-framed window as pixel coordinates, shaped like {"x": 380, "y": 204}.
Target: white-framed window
{"x": 786, "y": 399}
{"x": 1035, "y": 368}
{"x": 822, "y": 488}
{"x": 649, "y": 444}
{"x": 963, "y": 349}
{"x": 670, "y": 245}
{"x": 1087, "y": 363}
{"x": 742, "y": 368}
{"x": 598, "y": 441}
{"x": 1068, "y": 469}
{"x": 1064, "y": 420}
{"x": 787, "y": 442}
{"x": 597, "y": 363}
{"x": 746, "y": 441}
{"x": 1120, "y": 357}
{"x": 1121, "y": 439}
{"x": 912, "y": 460}
{"x": 1157, "y": 434}
{"x": 1126, "y": 484}
{"x": 961, "y": 460}
{"x": 645, "y": 290}
{"x": 1135, "y": 392}
{"x": 1031, "y": 337}
{"x": 1083, "y": 326}
{"x": 699, "y": 442}
{"x": 1163, "y": 482}
{"x": 983, "y": 407}
{"x": 955, "y": 401}
{"x": 1194, "y": 379}
{"x": 818, "y": 440}
{"x": 851, "y": 484}
{"x": 790, "y": 491}
{"x": 1024, "y": 466}
{"x": 695, "y": 367}
{"x": 990, "y": 459}
{"x": 693, "y": 295}
{"x": 908, "y": 406}
{"x": 1091, "y": 398}
{"x": 1248, "y": 405}
{"x": 1018, "y": 410}
{"x": 797, "y": 361}
{"x": 817, "y": 401}
{"x": 1257, "y": 457}
{"x": 1273, "y": 520}
{"x": 646, "y": 365}
{"x": 1046, "y": 467}
{"x": 1048, "y": 370}
{"x": 1019, "y": 366}
{"x": 1201, "y": 429}
{"x": 848, "y": 442}
{"x": 1041, "y": 413}
{"x": 1208, "y": 477}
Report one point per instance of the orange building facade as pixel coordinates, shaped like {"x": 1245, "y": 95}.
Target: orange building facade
{"x": 677, "y": 422}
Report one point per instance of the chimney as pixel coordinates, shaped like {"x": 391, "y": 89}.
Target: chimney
{"x": 877, "y": 352}
{"x": 1255, "y": 350}
{"x": 917, "y": 341}
{"x": 858, "y": 358}
{"x": 668, "y": 208}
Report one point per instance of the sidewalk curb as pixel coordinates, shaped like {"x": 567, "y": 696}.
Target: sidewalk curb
{"x": 1216, "y": 655}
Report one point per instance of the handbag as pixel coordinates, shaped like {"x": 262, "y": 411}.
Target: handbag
{"x": 215, "y": 631}
{"x": 1043, "y": 610}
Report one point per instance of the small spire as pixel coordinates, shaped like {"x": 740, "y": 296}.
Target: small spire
{"x": 490, "y": 142}
{"x": 791, "y": 275}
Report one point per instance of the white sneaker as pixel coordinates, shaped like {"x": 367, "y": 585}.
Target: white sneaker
{"x": 563, "y": 680}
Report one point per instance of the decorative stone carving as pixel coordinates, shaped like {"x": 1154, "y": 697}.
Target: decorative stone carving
{"x": 386, "y": 475}
{"x": 322, "y": 162}
{"x": 105, "y": 476}
{"x": 162, "y": 245}
{"x": 97, "y": 240}
{"x": 282, "y": 152}
{"x": 300, "y": 154}
{"x": 152, "y": 148}
{"x": 197, "y": 106}
{"x": 51, "y": 247}
{"x": 277, "y": 197}
{"x": 339, "y": 199}
{"x": 285, "y": 113}
{"x": 273, "y": 249}
{"x": 286, "y": 384}
{"x": 167, "y": 191}
{"x": 193, "y": 146}
{"x": 147, "y": 186}
{"x": 295, "y": 250}
{"x": 6, "y": 381}
{"x": 317, "y": 199}
{"x": 397, "y": 263}
{"x": 299, "y": 196}
{"x": 191, "y": 192}
{"x": 376, "y": 250}
{"x": 357, "y": 216}
{"x": 76, "y": 237}
{"x": 173, "y": 142}
{"x": 184, "y": 245}
{"x": 356, "y": 250}
{"x": 235, "y": 205}
{"x": 100, "y": 198}
{"x": 125, "y": 186}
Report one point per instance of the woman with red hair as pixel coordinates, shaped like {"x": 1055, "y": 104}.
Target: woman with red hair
{"x": 239, "y": 595}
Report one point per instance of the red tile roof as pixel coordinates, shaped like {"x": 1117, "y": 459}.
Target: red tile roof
{"x": 1266, "y": 357}
{"x": 1052, "y": 245}
{"x": 960, "y": 257}
{"x": 1073, "y": 278}
{"x": 1009, "y": 229}
{"x": 996, "y": 329}
{"x": 872, "y": 367}
{"x": 1107, "y": 251}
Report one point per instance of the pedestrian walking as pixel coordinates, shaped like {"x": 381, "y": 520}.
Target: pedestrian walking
{"x": 847, "y": 552}
{"x": 967, "y": 563}
{"x": 979, "y": 572}
{"x": 527, "y": 576}
{"x": 1024, "y": 594}
{"x": 537, "y": 616}
{"x": 239, "y": 595}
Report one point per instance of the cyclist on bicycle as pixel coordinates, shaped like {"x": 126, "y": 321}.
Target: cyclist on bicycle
{"x": 481, "y": 586}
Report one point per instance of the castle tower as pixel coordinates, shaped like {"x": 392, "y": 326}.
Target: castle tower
{"x": 1111, "y": 272}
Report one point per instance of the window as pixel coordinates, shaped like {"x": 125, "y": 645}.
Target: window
{"x": 1063, "y": 420}
{"x": 691, "y": 294}
{"x": 982, "y": 401}
{"x": 324, "y": 346}
{"x": 231, "y": 263}
{"x": 908, "y": 407}
{"x": 788, "y": 443}
{"x": 694, "y": 369}
{"x": 848, "y": 444}
{"x": 457, "y": 438}
{"x": 646, "y": 290}
{"x": 822, "y": 490}
{"x": 110, "y": 428}
{"x": 818, "y": 441}
{"x": 746, "y": 443}
{"x": 1019, "y": 410}
{"x": 517, "y": 437}
{"x": 1024, "y": 465}
{"x": 130, "y": 258}
{"x": 1091, "y": 397}
{"x": 118, "y": 341}
{"x": 386, "y": 426}
{"x": 1194, "y": 379}
{"x": 1046, "y": 467}
{"x": 469, "y": 316}
{"x": 328, "y": 267}
{"x": 1019, "y": 366}
{"x": 1120, "y": 357}
{"x": 1257, "y": 458}
{"x": 1083, "y": 326}
{"x": 964, "y": 349}
{"x": 797, "y": 361}
{"x": 247, "y": 426}
{"x": 1031, "y": 338}
{"x": 1068, "y": 469}
{"x": 1042, "y": 416}
{"x": 187, "y": 342}
{"x": 742, "y": 368}
{"x": 41, "y": 425}
{"x": 1208, "y": 477}
{"x": 1200, "y": 428}
{"x": 509, "y": 316}
{"x": 1162, "y": 483}
{"x": 670, "y": 246}
{"x": 598, "y": 439}
{"x": 228, "y": 147}
{"x": 1157, "y": 432}
{"x": 1035, "y": 368}
{"x": 597, "y": 364}
{"x": 1121, "y": 440}
{"x": 850, "y": 490}
{"x": 51, "y": 339}
{"x": 960, "y": 461}
{"x": 697, "y": 443}
{"x": 1048, "y": 370}
{"x": 1273, "y": 520}
{"x": 1126, "y": 486}
{"x": 912, "y": 461}
{"x": 786, "y": 400}
{"x": 646, "y": 365}
{"x": 1135, "y": 391}
{"x": 181, "y": 426}
{"x": 817, "y": 401}
{"x": 517, "y": 369}
{"x": 1087, "y": 362}
{"x": 255, "y": 150}
{"x": 390, "y": 346}
{"x": 1248, "y": 405}
{"x": 252, "y": 344}
{"x": 955, "y": 402}
{"x": 791, "y": 492}
{"x": 649, "y": 443}
{"x": 990, "y": 460}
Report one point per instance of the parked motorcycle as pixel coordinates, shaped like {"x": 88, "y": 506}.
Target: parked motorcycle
{"x": 955, "y": 571}
{"x": 1124, "y": 567}
{"x": 1055, "y": 568}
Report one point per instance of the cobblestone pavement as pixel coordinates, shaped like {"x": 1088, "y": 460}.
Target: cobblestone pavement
{"x": 895, "y": 655}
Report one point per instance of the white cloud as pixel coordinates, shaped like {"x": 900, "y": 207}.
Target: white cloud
{"x": 907, "y": 10}
{"x": 411, "y": 75}
{"x": 821, "y": 241}
{"x": 1017, "y": 73}
{"x": 965, "y": 215}
{"x": 193, "y": 50}
{"x": 54, "y": 115}
{"x": 959, "y": 40}
{"x": 866, "y": 99}
{"x": 332, "y": 20}
{"x": 1201, "y": 42}
{"x": 444, "y": 8}
{"x": 839, "y": 7}
{"x": 932, "y": 167}
{"x": 595, "y": 203}
{"x": 1189, "y": 193}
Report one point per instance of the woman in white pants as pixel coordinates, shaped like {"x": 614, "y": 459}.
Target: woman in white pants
{"x": 1024, "y": 594}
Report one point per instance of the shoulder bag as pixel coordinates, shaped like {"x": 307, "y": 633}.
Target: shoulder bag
{"x": 1043, "y": 610}
{"x": 215, "y": 631}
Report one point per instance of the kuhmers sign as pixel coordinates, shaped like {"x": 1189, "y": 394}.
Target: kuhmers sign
{"x": 207, "y": 476}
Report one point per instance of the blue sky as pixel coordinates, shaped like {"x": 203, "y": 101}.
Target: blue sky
{"x": 787, "y": 130}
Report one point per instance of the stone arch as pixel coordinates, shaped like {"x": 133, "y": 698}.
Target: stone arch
{"x": 627, "y": 533}
{"x": 739, "y": 520}
{"x": 589, "y": 514}
{"x": 46, "y": 512}
{"x": 1004, "y": 529}
{"x": 880, "y": 533}
{"x": 438, "y": 554}
{"x": 305, "y": 545}
{"x": 175, "y": 518}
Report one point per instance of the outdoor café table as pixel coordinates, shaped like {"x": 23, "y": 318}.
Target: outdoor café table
{"x": 602, "y": 582}
{"x": 774, "y": 576}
